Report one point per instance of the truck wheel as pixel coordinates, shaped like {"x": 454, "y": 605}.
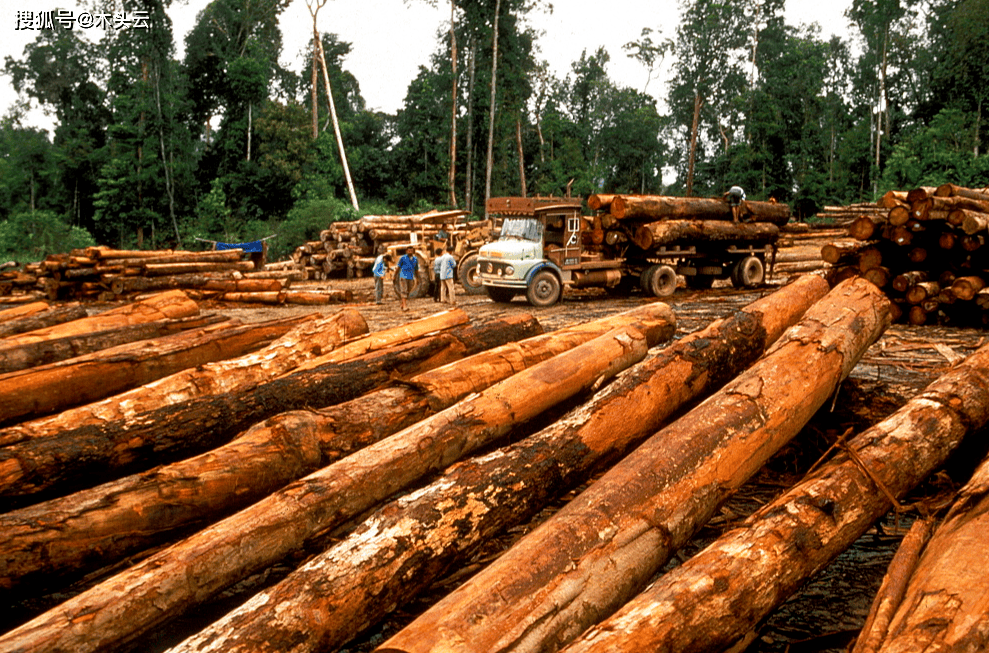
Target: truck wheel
{"x": 500, "y": 295}
{"x": 748, "y": 272}
{"x": 662, "y": 280}
{"x": 544, "y": 289}
{"x": 467, "y": 273}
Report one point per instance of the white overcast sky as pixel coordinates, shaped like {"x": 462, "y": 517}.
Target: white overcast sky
{"x": 392, "y": 38}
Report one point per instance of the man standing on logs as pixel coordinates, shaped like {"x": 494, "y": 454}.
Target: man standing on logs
{"x": 447, "y": 272}
{"x": 408, "y": 267}
{"x": 735, "y": 197}
{"x": 379, "y": 269}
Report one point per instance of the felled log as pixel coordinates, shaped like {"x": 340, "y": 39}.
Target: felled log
{"x": 658, "y": 207}
{"x": 42, "y": 319}
{"x": 124, "y": 284}
{"x": 944, "y": 605}
{"x": 920, "y": 193}
{"x": 966, "y": 288}
{"x": 600, "y": 202}
{"x": 892, "y": 198}
{"x": 604, "y": 546}
{"x": 834, "y": 253}
{"x": 290, "y": 297}
{"x": 57, "y": 386}
{"x": 129, "y": 604}
{"x": 46, "y": 352}
{"x": 658, "y": 234}
{"x": 313, "y": 337}
{"x": 24, "y": 310}
{"x": 158, "y": 269}
{"x": 222, "y": 256}
{"x": 971, "y": 222}
{"x": 94, "y": 453}
{"x": 952, "y": 190}
{"x": 170, "y": 304}
{"x": 128, "y": 515}
{"x": 721, "y": 593}
{"x": 407, "y": 544}
{"x": 894, "y": 585}
{"x": 865, "y": 227}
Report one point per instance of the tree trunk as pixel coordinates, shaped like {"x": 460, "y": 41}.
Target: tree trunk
{"x": 47, "y": 352}
{"x": 720, "y": 594}
{"x": 407, "y": 544}
{"x": 57, "y": 386}
{"x": 694, "y": 128}
{"x": 951, "y": 190}
{"x": 944, "y": 605}
{"x": 492, "y": 109}
{"x": 172, "y": 304}
{"x": 123, "y": 517}
{"x": 452, "y": 176}
{"x": 604, "y": 546}
{"x": 301, "y": 344}
{"x": 32, "y": 321}
{"x": 659, "y": 207}
{"x": 670, "y": 232}
{"x": 117, "y": 611}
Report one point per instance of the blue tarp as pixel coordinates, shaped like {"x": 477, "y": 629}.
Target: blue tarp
{"x": 254, "y": 247}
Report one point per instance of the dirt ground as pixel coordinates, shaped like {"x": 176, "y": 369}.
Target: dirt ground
{"x": 828, "y": 612}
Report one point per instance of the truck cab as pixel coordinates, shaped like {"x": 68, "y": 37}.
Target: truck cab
{"x": 539, "y": 251}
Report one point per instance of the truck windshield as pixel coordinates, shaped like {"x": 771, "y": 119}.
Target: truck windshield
{"x": 523, "y": 229}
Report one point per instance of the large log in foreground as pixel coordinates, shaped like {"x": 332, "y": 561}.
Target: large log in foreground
{"x": 40, "y": 319}
{"x": 117, "y": 611}
{"x": 93, "y": 453}
{"x": 603, "y": 547}
{"x": 55, "y": 387}
{"x": 945, "y": 606}
{"x": 658, "y": 234}
{"x": 98, "y": 526}
{"x": 720, "y": 594}
{"x": 309, "y": 339}
{"x": 408, "y": 543}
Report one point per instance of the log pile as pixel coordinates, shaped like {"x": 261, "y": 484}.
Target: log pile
{"x": 105, "y": 274}
{"x": 927, "y": 248}
{"x": 262, "y": 477}
{"x": 349, "y": 248}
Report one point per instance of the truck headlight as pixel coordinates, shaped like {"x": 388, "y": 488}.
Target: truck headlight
{"x": 509, "y": 270}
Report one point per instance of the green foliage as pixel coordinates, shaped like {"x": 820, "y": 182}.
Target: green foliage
{"x": 304, "y": 223}
{"x": 942, "y": 152}
{"x": 27, "y": 237}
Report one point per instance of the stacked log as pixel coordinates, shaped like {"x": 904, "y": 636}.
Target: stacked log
{"x": 349, "y": 248}
{"x": 926, "y": 248}
{"x": 106, "y": 274}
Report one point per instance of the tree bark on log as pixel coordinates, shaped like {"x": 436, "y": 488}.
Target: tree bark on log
{"x": 57, "y": 386}
{"x": 951, "y": 190}
{"x": 94, "y": 453}
{"x": 23, "y": 311}
{"x": 310, "y": 339}
{"x": 98, "y": 526}
{"x": 41, "y": 319}
{"x": 946, "y": 603}
{"x": 290, "y": 297}
{"x": 972, "y": 222}
{"x": 117, "y": 611}
{"x": 46, "y": 352}
{"x": 658, "y": 207}
{"x": 600, "y": 202}
{"x": 720, "y": 594}
{"x": 407, "y": 544}
{"x": 165, "y": 269}
{"x": 172, "y": 304}
{"x": 604, "y": 546}
{"x": 124, "y": 284}
{"x": 658, "y": 234}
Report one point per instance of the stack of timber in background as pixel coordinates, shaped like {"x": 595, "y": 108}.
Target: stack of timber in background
{"x": 926, "y": 249}
{"x": 106, "y": 274}
{"x": 349, "y": 248}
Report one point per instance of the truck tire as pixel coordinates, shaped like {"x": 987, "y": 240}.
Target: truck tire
{"x": 661, "y": 280}
{"x": 748, "y": 272}
{"x": 500, "y": 295}
{"x": 544, "y": 289}
{"x": 467, "y": 273}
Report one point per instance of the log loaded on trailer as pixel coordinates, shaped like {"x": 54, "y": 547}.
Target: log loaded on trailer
{"x": 546, "y": 244}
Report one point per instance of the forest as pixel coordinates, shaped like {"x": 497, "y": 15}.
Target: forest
{"x": 225, "y": 144}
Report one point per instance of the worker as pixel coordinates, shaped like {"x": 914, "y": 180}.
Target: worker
{"x": 408, "y": 268}
{"x": 438, "y": 253}
{"x": 735, "y": 197}
{"x": 381, "y": 266}
{"x": 448, "y": 268}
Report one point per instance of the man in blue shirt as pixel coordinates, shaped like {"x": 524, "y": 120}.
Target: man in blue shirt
{"x": 408, "y": 267}
{"x": 448, "y": 268}
{"x": 380, "y": 267}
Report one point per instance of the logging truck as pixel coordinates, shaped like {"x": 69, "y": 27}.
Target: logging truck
{"x": 546, "y": 245}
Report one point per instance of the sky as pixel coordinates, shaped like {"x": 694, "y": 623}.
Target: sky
{"x": 392, "y": 38}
